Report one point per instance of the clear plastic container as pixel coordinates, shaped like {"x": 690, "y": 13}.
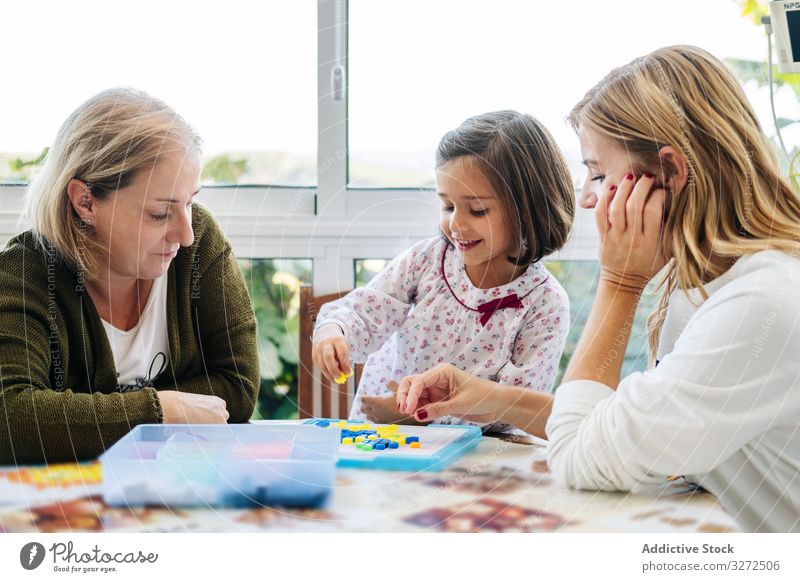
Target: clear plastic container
{"x": 242, "y": 465}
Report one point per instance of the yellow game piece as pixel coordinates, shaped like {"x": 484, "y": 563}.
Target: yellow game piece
{"x": 341, "y": 379}
{"x": 392, "y": 427}
{"x": 414, "y": 445}
{"x": 347, "y": 441}
{"x": 340, "y": 424}
{"x": 359, "y": 439}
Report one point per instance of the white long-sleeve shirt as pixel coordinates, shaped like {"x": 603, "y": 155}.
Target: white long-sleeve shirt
{"x": 722, "y": 407}
{"x": 412, "y": 316}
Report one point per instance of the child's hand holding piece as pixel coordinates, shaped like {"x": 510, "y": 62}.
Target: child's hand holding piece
{"x": 331, "y": 354}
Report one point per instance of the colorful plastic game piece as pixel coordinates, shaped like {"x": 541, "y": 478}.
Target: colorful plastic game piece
{"x": 343, "y": 377}
{"x": 414, "y": 445}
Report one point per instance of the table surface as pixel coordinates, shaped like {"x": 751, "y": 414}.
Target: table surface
{"x": 500, "y": 486}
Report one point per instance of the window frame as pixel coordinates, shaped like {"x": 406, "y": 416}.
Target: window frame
{"x": 332, "y": 224}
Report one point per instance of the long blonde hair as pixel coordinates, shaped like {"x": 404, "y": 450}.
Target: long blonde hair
{"x": 103, "y": 143}
{"x": 735, "y": 202}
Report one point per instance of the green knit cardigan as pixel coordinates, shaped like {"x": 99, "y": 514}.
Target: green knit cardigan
{"x": 58, "y": 396}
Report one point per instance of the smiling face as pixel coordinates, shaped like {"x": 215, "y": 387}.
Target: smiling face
{"x": 475, "y": 221}
{"x": 141, "y": 227}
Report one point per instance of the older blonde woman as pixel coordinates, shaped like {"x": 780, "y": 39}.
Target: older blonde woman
{"x": 684, "y": 181}
{"x": 123, "y": 304}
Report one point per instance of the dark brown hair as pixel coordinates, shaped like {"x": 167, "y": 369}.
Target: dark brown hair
{"x": 524, "y": 165}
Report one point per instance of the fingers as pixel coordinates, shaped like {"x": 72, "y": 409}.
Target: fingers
{"x": 343, "y": 354}
{"x": 437, "y": 410}
{"x": 653, "y": 214}
{"x": 635, "y": 204}
{"x": 331, "y": 354}
{"x": 616, "y": 208}
{"x": 402, "y": 393}
{"x": 217, "y": 409}
{"x": 330, "y": 363}
{"x": 381, "y": 409}
{"x": 413, "y": 386}
{"x": 369, "y": 409}
{"x": 409, "y": 394}
{"x": 333, "y": 359}
{"x": 602, "y": 209}
{"x": 185, "y": 408}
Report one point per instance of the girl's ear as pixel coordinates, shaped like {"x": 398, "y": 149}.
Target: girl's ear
{"x": 80, "y": 195}
{"x": 678, "y": 176}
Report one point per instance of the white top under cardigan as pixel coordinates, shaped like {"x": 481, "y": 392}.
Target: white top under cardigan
{"x": 722, "y": 407}
{"x": 140, "y": 353}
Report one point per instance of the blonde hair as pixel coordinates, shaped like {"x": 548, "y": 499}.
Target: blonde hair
{"x": 735, "y": 201}
{"x": 103, "y": 143}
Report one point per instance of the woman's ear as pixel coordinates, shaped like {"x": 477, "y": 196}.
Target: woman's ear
{"x": 678, "y": 175}
{"x": 82, "y": 200}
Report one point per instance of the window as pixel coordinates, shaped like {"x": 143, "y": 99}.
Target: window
{"x": 243, "y": 73}
{"x": 255, "y": 78}
{"x": 579, "y": 279}
{"x": 418, "y": 71}
{"x": 274, "y": 286}
{"x": 366, "y": 269}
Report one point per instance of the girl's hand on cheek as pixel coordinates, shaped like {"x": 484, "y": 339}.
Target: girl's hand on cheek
{"x": 630, "y": 220}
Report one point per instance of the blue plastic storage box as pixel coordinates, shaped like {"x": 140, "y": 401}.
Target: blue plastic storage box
{"x": 186, "y": 465}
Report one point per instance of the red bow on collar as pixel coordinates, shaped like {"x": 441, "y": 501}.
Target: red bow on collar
{"x": 487, "y": 309}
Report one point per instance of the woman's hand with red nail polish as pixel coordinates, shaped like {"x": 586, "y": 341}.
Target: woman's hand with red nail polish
{"x": 448, "y": 391}
{"x": 630, "y": 219}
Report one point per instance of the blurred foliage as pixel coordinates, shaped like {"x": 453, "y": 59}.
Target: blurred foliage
{"x": 19, "y": 165}
{"x": 20, "y": 168}
{"x": 579, "y": 279}
{"x": 754, "y": 9}
{"x": 758, "y": 72}
{"x": 274, "y": 287}
{"x": 223, "y": 170}
{"x": 366, "y": 269}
